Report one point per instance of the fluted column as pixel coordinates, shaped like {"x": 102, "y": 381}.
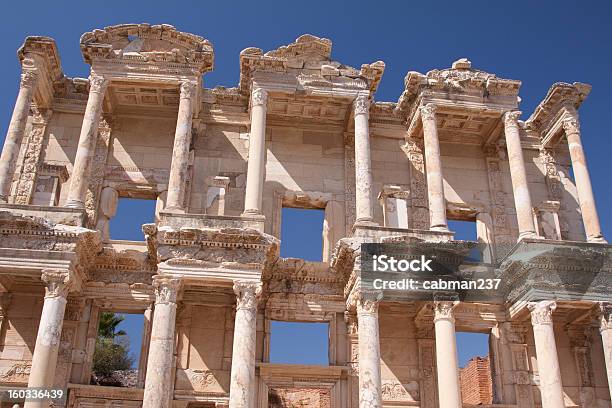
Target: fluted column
{"x": 518, "y": 174}
{"x": 180, "y": 151}
{"x": 363, "y": 162}
{"x": 590, "y": 218}
{"x": 370, "y": 383}
{"x": 433, "y": 166}
{"x": 449, "y": 388}
{"x": 79, "y": 178}
{"x": 549, "y": 371}
{"x": 605, "y": 329}
{"x": 44, "y": 360}
{"x": 242, "y": 386}
{"x": 257, "y": 153}
{"x": 16, "y": 129}
{"x": 158, "y": 381}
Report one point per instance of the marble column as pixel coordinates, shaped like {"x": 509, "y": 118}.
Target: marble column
{"x": 518, "y": 174}
{"x": 242, "y": 386}
{"x": 370, "y": 383}
{"x": 159, "y": 377}
{"x": 44, "y": 360}
{"x": 364, "y": 213}
{"x": 590, "y": 218}
{"x": 16, "y": 129}
{"x": 433, "y": 167}
{"x": 79, "y": 178}
{"x": 180, "y": 152}
{"x": 449, "y": 388}
{"x": 605, "y": 329}
{"x": 551, "y": 388}
{"x": 257, "y": 153}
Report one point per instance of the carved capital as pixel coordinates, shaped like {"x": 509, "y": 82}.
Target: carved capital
{"x": 443, "y": 310}
{"x": 259, "y": 96}
{"x": 511, "y": 118}
{"x": 361, "y": 105}
{"x": 247, "y": 294}
{"x": 28, "y": 79}
{"x": 604, "y": 315}
{"x": 188, "y": 89}
{"x": 166, "y": 289}
{"x": 571, "y": 125}
{"x": 97, "y": 83}
{"x": 57, "y": 282}
{"x": 541, "y": 312}
{"x": 367, "y": 301}
{"x": 428, "y": 112}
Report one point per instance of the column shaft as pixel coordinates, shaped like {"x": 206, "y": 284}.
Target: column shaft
{"x": 518, "y": 174}
{"x": 242, "y": 386}
{"x": 551, "y": 387}
{"x": 590, "y": 217}
{"x": 79, "y": 179}
{"x": 44, "y": 360}
{"x": 16, "y": 129}
{"x": 158, "y": 381}
{"x": 180, "y": 151}
{"x": 363, "y": 162}
{"x": 370, "y": 383}
{"x": 257, "y": 153}
{"x": 605, "y": 328}
{"x": 433, "y": 166}
{"x": 449, "y": 388}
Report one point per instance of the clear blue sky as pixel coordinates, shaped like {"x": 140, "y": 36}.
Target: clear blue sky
{"x": 537, "y": 42}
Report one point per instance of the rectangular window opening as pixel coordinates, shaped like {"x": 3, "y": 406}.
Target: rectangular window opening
{"x": 131, "y": 214}
{"x": 299, "y": 343}
{"x": 117, "y": 358}
{"x": 302, "y": 233}
{"x": 474, "y": 368}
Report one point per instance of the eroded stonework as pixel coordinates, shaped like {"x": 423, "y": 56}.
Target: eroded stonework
{"x": 300, "y": 130}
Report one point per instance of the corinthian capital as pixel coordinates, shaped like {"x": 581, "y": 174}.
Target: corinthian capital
{"x": 443, "y": 310}
{"x": 571, "y": 125}
{"x": 57, "y": 282}
{"x": 428, "y": 112}
{"x": 28, "y": 78}
{"x": 247, "y": 293}
{"x": 259, "y": 96}
{"x": 361, "y": 105}
{"x": 97, "y": 83}
{"x": 188, "y": 89}
{"x": 166, "y": 289}
{"x": 541, "y": 312}
{"x": 367, "y": 301}
{"x": 604, "y": 314}
{"x": 511, "y": 118}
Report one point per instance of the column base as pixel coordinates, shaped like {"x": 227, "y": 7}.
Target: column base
{"x": 440, "y": 228}
{"x": 365, "y": 222}
{"x": 176, "y": 210}
{"x": 3, "y": 199}
{"x": 251, "y": 212}
{"x": 79, "y": 205}
{"x": 597, "y": 240}
{"x": 528, "y": 235}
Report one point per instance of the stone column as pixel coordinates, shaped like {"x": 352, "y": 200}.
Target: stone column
{"x": 449, "y": 388}
{"x": 242, "y": 386}
{"x": 257, "y": 153}
{"x": 605, "y": 328}
{"x": 433, "y": 167}
{"x": 159, "y": 377}
{"x": 16, "y": 129}
{"x": 87, "y": 142}
{"x": 363, "y": 164}
{"x": 518, "y": 174}
{"x": 551, "y": 387}
{"x": 180, "y": 152}
{"x": 586, "y": 199}
{"x": 44, "y": 360}
{"x": 370, "y": 383}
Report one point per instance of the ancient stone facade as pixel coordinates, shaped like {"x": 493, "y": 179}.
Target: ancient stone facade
{"x": 299, "y": 130}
